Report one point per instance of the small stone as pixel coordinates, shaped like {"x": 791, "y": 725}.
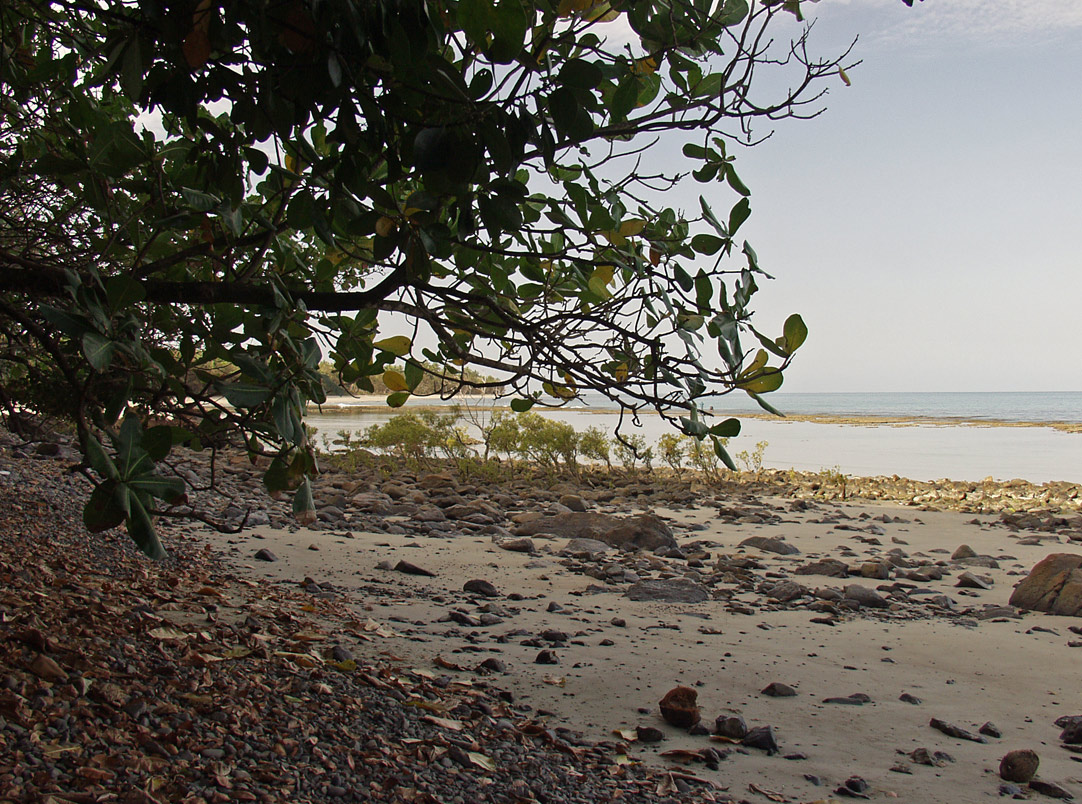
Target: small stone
{"x": 731, "y": 726}
{"x": 963, "y": 551}
{"x": 522, "y": 545}
{"x": 770, "y": 544}
{"x": 412, "y": 569}
{"x": 264, "y": 554}
{"x": 553, "y": 607}
{"x": 1050, "y": 789}
{"x": 493, "y": 665}
{"x": 970, "y": 580}
{"x": 649, "y": 734}
{"x": 990, "y": 729}
{"x": 909, "y": 698}
{"x": 865, "y": 596}
{"x": 761, "y": 737}
{"x": 776, "y": 689}
{"x": 573, "y": 502}
{"x": 670, "y": 590}
{"x": 1072, "y": 734}
{"x": 314, "y": 547}
{"x": 547, "y": 657}
{"x": 1019, "y": 766}
{"x": 480, "y": 587}
{"x": 618, "y": 622}
{"x": 955, "y": 731}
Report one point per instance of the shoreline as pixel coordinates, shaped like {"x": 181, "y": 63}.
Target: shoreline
{"x": 375, "y": 405}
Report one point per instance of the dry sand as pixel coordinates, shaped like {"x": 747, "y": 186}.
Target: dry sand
{"x": 964, "y": 672}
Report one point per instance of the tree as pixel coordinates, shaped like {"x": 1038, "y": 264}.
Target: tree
{"x": 198, "y": 199}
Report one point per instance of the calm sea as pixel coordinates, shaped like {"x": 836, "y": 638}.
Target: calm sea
{"x": 925, "y": 451}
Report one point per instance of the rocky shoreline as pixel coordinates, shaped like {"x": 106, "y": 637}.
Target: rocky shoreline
{"x": 444, "y": 638}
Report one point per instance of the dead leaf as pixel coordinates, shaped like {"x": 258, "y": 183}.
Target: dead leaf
{"x": 770, "y": 794}
{"x": 439, "y": 661}
{"x": 556, "y": 681}
{"x": 626, "y": 734}
{"x": 481, "y": 761}
{"x": 167, "y": 632}
{"x": 443, "y": 722}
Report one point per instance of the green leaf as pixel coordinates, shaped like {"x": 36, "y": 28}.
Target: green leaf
{"x": 734, "y": 180}
{"x": 101, "y": 511}
{"x": 398, "y": 345}
{"x": 141, "y": 529}
{"x": 123, "y": 291}
{"x": 707, "y": 244}
{"x": 580, "y": 74}
{"x": 522, "y": 405}
{"x": 170, "y": 489}
{"x": 730, "y": 428}
{"x": 796, "y": 332}
{"x": 769, "y": 380}
{"x": 414, "y": 375}
{"x": 398, "y": 399}
{"x": 738, "y": 214}
{"x": 99, "y": 460}
{"x": 98, "y": 350}
{"x": 244, "y": 394}
{"x": 198, "y": 200}
{"x": 723, "y": 454}
{"x": 766, "y": 405}
{"x": 157, "y": 441}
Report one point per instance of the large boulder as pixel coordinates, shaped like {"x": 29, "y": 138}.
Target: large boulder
{"x": 1053, "y": 585}
{"x": 645, "y": 532}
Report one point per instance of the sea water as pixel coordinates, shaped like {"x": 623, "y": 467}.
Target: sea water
{"x": 922, "y": 451}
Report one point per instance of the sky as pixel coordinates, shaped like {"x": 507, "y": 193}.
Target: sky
{"x": 928, "y": 226}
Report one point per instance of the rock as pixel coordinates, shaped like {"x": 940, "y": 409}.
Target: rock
{"x": 970, "y": 580}
{"x": 731, "y": 726}
{"x": 265, "y": 555}
{"x": 875, "y": 570}
{"x": 909, "y": 698}
{"x": 493, "y": 665}
{"x": 573, "y": 525}
{"x": 1050, "y": 789}
{"x": 436, "y": 481}
{"x": 776, "y": 689}
{"x": 644, "y": 532}
{"x": 979, "y": 561}
{"x": 786, "y": 591}
{"x": 547, "y": 657}
{"x": 955, "y": 731}
{"x": 523, "y": 545}
{"x": 573, "y": 502}
{"x": 649, "y": 734}
{"x": 1072, "y": 734}
{"x": 1053, "y": 585}
{"x": 46, "y": 668}
{"x": 429, "y": 513}
{"x": 963, "y": 551}
{"x": 412, "y": 569}
{"x": 770, "y": 544}
{"x": 761, "y": 737}
{"x": 586, "y": 547}
{"x": 480, "y": 587}
{"x": 865, "y": 596}
{"x": 669, "y": 590}
{"x": 679, "y": 709}
{"x": 1019, "y": 766}
{"x": 990, "y": 729}
{"x": 831, "y": 567}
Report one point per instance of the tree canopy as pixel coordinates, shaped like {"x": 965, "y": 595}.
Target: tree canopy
{"x": 201, "y": 200}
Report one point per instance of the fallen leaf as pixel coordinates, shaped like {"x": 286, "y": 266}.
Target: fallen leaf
{"x": 166, "y": 632}
{"x": 446, "y": 665}
{"x": 556, "y": 681}
{"x": 443, "y": 722}
{"x": 626, "y": 734}
{"x": 481, "y": 761}
{"x": 770, "y": 794}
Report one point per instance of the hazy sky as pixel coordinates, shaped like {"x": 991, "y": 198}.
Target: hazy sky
{"x": 929, "y": 225}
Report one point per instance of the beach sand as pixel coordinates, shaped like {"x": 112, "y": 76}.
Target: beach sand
{"x": 609, "y": 677}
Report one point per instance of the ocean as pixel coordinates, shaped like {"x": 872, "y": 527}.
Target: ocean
{"x": 948, "y": 435}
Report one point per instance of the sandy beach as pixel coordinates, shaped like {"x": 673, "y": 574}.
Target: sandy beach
{"x": 966, "y": 668}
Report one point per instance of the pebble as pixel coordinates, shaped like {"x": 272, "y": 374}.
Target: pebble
{"x": 1019, "y": 766}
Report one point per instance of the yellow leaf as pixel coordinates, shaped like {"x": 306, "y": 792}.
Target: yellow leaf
{"x": 348, "y": 666}
{"x": 621, "y": 373}
{"x": 384, "y": 226}
{"x": 443, "y": 722}
{"x": 237, "y": 652}
{"x": 632, "y": 227}
{"x": 646, "y": 66}
{"x": 556, "y": 681}
{"x": 845, "y": 77}
{"x": 166, "y": 632}
{"x": 603, "y": 274}
{"x": 758, "y": 363}
{"x": 626, "y": 734}
{"x": 395, "y": 380}
{"x": 397, "y": 345}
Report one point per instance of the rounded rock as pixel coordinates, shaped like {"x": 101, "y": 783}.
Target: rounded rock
{"x": 1019, "y": 766}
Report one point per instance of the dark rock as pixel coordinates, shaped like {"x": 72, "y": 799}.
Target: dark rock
{"x": 770, "y": 544}
{"x": 831, "y": 567}
{"x": 412, "y": 569}
{"x": 493, "y": 665}
{"x": 731, "y": 726}
{"x": 786, "y": 591}
{"x": 649, "y": 734}
{"x": 963, "y": 551}
{"x": 1053, "y": 585}
{"x": 955, "y": 731}
{"x": 1072, "y": 734}
{"x": 761, "y": 737}
{"x": 990, "y": 730}
{"x": 1019, "y": 766}
{"x": 573, "y": 502}
{"x": 776, "y": 689}
{"x": 969, "y": 580}
{"x": 265, "y": 555}
{"x": 643, "y": 532}
{"x": 1050, "y": 789}
{"x": 865, "y": 596}
{"x": 586, "y": 547}
{"x": 670, "y": 590}
{"x": 547, "y": 657}
{"x": 480, "y": 587}
{"x": 678, "y": 707}
{"x": 850, "y": 700}
{"x": 553, "y": 635}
